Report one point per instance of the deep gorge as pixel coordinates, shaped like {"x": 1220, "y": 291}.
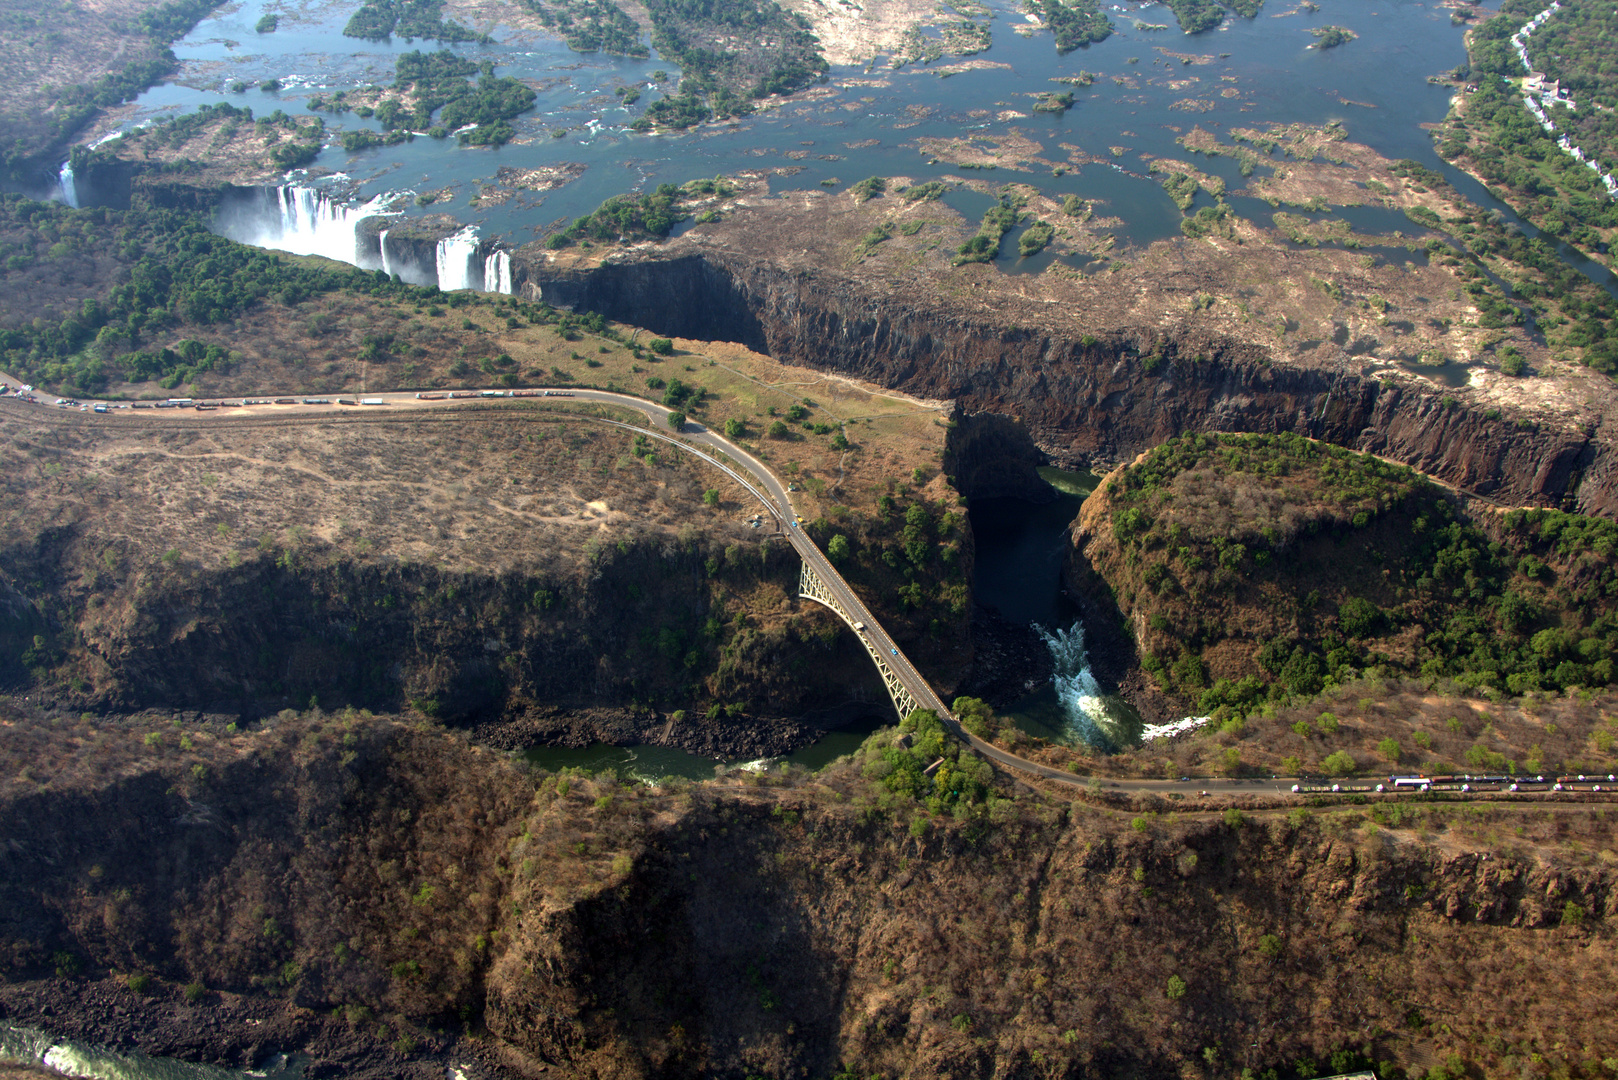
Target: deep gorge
{"x": 1104, "y": 401}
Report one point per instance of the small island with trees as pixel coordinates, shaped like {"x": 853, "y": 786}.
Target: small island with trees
{"x": 1329, "y": 37}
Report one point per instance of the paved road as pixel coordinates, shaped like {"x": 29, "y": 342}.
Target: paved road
{"x": 776, "y": 501}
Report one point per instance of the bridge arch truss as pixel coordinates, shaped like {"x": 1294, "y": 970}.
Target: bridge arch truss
{"x": 811, "y": 587}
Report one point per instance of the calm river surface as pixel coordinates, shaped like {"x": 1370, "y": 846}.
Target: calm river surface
{"x": 868, "y": 122}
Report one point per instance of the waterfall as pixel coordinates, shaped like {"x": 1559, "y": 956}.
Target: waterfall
{"x": 1083, "y": 706}
{"x": 64, "y": 181}
{"x": 497, "y": 272}
{"x": 304, "y": 221}
{"x": 312, "y": 223}
{"x": 382, "y": 244}
{"x": 455, "y": 255}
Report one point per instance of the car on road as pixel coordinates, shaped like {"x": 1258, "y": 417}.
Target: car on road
{"x": 895, "y": 652}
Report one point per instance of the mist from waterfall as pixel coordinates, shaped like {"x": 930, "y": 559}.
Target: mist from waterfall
{"x": 1087, "y": 714}
{"x": 455, "y": 256}
{"x": 67, "y": 186}
{"x": 497, "y": 272}
{"x": 304, "y": 221}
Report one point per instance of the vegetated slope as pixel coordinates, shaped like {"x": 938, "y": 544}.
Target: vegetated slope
{"x": 60, "y": 69}
{"x": 1107, "y": 366}
{"x": 767, "y": 925}
{"x": 521, "y": 568}
{"x": 1253, "y": 568}
{"x": 1493, "y": 135}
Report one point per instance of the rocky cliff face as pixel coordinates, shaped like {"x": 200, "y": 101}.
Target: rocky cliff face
{"x": 990, "y": 455}
{"x": 778, "y": 928}
{"x": 1102, "y": 395}
{"x": 516, "y": 568}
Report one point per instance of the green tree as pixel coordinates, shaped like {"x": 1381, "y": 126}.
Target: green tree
{"x": 778, "y": 430}
{"x": 1340, "y": 763}
{"x": 1176, "y": 988}
{"x": 677, "y": 421}
{"x": 1390, "y": 749}
{"x": 711, "y": 496}
{"x": 976, "y": 716}
{"x": 662, "y": 346}
{"x": 735, "y": 429}
{"x": 837, "y": 549}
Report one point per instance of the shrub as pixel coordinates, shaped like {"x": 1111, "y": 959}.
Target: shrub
{"x": 194, "y": 992}
{"x": 1176, "y": 988}
{"x": 1269, "y": 945}
{"x": 1234, "y": 818}
{"x": 1340, "y": 763}
{"x": 1390, "y": 749}
{"x": 140, "y": 983}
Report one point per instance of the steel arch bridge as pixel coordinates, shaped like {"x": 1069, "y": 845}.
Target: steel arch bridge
{"x": 810, "y": 587}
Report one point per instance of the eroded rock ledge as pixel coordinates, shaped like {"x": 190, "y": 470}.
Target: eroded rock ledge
{"x": 1097, "y": 367}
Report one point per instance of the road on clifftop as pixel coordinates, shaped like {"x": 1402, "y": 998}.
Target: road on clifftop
{"x": 776, "y": 500}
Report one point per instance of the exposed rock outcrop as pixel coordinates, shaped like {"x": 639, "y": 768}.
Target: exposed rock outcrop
{"x": 367, "y": 870}
{"x": 1099, "y": 395}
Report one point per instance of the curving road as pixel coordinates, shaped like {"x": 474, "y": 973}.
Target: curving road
{"x": 776, "y": 500}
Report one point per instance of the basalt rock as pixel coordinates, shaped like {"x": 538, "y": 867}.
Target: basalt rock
{"x": 1098, "y": 396}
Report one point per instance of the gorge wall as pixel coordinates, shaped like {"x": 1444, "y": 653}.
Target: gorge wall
{"x": 1086, "y": 398}
{"x": 391, "y": 875}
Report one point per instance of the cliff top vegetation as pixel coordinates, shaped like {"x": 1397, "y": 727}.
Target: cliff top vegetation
{"x": 114, "y": 311}
{"x": 60, "y": 71}
{"x": 777, "y": 920}
{"x": 1253, "y": 569}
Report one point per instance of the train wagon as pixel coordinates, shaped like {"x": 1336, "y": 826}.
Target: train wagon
{"x": 372, "y": 401}
{"x": 437, "y": 395}
{"x": 464, "y": 394}
{"x": 346, "y": 401}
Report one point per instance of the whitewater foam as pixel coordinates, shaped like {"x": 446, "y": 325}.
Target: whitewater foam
{"x": 66, "y": 185}
{"x": 455, "y": 255}
{"x": 1084, "y": 707}
{"x": 305, "y": 221}
{"x": 497, "y": 272}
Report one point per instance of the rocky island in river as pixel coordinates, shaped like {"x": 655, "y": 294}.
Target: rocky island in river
{"x": 807, "y": 540}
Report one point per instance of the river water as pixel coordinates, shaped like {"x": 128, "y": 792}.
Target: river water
{"x": 28, "y": 1046}
{"x": 865, "y": 122}
{"x": 1020, "y": 549}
